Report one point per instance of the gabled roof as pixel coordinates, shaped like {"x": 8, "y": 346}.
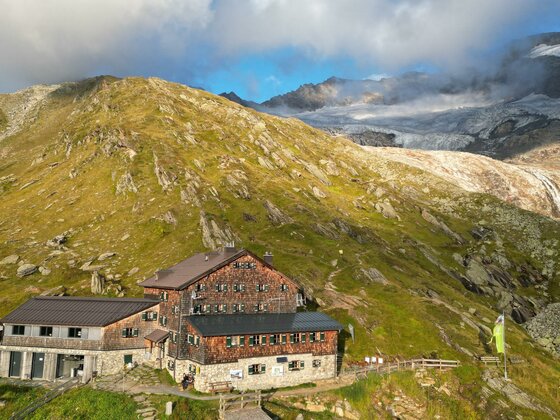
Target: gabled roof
{"x": 76, "y": 311}
{"x": 215, "y": 325}
{"x": 196, "y": 267}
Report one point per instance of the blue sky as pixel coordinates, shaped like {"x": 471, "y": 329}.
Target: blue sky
{"x": 257, "y": 48}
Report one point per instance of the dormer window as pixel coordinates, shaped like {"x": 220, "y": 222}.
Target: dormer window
{"x": 245, "y": 265}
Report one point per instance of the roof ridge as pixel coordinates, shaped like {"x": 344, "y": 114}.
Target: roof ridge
{"x": 96, "y": 298}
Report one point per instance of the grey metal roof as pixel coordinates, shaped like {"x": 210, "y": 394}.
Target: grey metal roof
{"x": 157, "y": 335}
{"x": 214, "y": 325}
{"x": 76, "y": 311}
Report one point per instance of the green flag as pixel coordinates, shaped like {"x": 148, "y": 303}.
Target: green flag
{"x": 498, "y": 335}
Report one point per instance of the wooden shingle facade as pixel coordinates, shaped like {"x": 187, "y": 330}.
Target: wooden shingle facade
{"x": 224, "y": 316}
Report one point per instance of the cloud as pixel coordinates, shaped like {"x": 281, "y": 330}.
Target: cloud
{"x": 57, "y": 40}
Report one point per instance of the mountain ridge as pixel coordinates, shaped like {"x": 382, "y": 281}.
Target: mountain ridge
{"x": 154, "y": 171}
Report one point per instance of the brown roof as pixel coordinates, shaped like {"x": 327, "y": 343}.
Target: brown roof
{"x": 76, "y": 311}
{"x": 194, "y": 268}
{"x": 157, "y": 335}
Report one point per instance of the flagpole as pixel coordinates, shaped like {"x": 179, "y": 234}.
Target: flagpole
{"x": 505, "y": 356}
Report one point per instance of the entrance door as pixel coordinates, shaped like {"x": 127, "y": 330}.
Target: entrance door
{"x": 37, "y": 365}
{"x": 15, "y": 363}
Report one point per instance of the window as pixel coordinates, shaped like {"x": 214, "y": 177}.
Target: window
{"x": 297, "y": 338}
{"x": 238, "y": 307}
{"x": 257, "y": 369}
{"x": 127, "y": 359}
{"x": 164, "y": 296}
{"x": 200, "y": 287}
{"x": 193, "y": 340}
{"x": 235, "y": 341}
{"x": 274, "y": 339}
{"x": 317, "y": 363}
{"x": 45, "y": 331}
{"x": 261, "y": 307}
{"x": 263, "y": 340}
{"x": 296, "y": 365}
{"x": 18, "y": 329}
{"x": 192, "y": 368}
{"x": 221, "y": 287}
{"x": 311, "y": 337}
{"x": 262, "y": 287}
{"x": 129, "y": 332}
{"x": 162, "y": 320}
{"x": 207, "y": 308}
{"x": 238, "y": 287}
{"x": 170, "y": 365}
{"x": 175, "y": 309}
{"x": 220, "y": 308}
{"x": 245, "y": 265}
{"x": 174, "y": 337}
{"x": 74, "y": 332}
{"x": 254, "y": 340}
{"x": 284, "y": 339}
{"x": 283, "y": 287}
{"x": 321, "y": 336}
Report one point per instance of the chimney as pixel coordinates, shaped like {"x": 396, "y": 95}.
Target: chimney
{"x": 230, "y": 247}
{"x": 268, "y": 258}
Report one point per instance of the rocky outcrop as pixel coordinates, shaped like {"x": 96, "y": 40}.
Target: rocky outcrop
{"x": 58, "y": 240}
{"x": 276, "y": 215}
{"x": 545, "y": 328}
{"x": 126, "y": 184}
{"x": 373, "y": 275}
{"x": 214, "y": 236}
{"x": 166, "y": 179}
{"x": 427, "y": 216}
{"x": 97, "y": 283}
{"x": 514, "y": 394}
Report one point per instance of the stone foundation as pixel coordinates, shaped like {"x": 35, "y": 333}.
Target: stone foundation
{"x": 102, "y": 362}
{"x": 277, "y": 375}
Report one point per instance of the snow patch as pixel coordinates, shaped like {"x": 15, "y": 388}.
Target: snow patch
{"x": 543, "y": 50}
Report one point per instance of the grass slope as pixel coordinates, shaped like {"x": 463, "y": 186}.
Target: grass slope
{"x": 139, "y": 167}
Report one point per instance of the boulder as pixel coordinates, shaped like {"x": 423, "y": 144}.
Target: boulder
{"x": 106, "y": 255}
{"x": 44, "y": 271}
{"x": 26, "y": 270}
{"x": 97, "y": 283}
{"x": 373, "y": 275}
{"x": 10, "y": 259}
{"x": 57, "y": 241}
{"x": 387, "y": 210}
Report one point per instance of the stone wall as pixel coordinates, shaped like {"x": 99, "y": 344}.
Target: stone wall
{"x": 272, "y": 378}
{"x": 104, "y": 362}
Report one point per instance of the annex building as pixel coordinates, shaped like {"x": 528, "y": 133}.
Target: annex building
{"x": 226, "y": 316}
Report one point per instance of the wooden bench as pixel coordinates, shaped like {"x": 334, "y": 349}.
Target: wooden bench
{"x": 224, "y": 386}
{"x": 489, "y": 359}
